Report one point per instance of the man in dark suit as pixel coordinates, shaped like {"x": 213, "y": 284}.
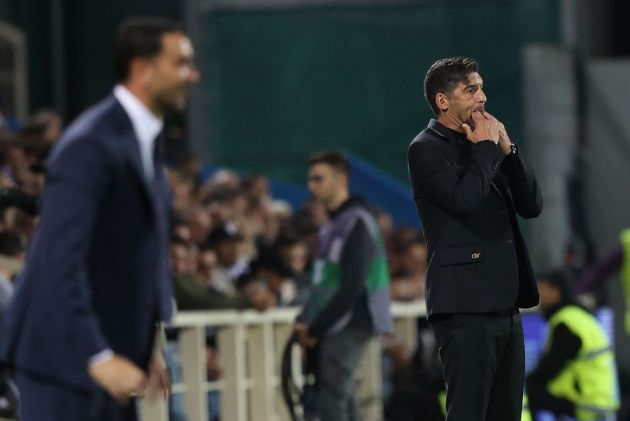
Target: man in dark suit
{"x": 80, "y": 330}
{"x": 469, "y": 182}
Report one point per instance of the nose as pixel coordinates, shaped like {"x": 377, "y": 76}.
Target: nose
{"x": 481, "y": 96}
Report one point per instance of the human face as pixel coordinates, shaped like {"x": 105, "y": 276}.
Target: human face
{"x": 549, "y": 294}
{"x": 179, "y": 259}
{"x": 227, "y": 252}
{"x": 207, "y": 263}
{"x": 172, "y": 72}
{"x": 297, "y": 256}
{"x": 324, "y": 183}
{"x": 466, "y": 98}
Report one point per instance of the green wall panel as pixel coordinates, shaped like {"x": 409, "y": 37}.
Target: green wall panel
{"x": 284, "y": 83}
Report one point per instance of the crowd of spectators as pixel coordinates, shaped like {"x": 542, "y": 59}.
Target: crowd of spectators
{"x": 23, "y": 155}
{"x": 232, "y": 244}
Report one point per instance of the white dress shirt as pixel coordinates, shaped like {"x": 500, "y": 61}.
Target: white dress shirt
{"x": 145, "y": 124}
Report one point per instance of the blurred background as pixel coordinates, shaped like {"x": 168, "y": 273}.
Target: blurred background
{"x": 282, "y": 79}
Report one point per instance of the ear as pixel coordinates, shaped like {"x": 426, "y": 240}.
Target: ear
{"x": 139, "y": 69}
{"x": 442, "y": 101}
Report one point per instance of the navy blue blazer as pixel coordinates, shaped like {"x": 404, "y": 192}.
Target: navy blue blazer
{"x": 96, "y": 274}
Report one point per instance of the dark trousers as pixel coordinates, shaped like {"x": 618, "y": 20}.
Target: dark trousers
{"x": 484, "y": 363}
{"x": 44, "y": 400}
{"x": 339, "y": 356}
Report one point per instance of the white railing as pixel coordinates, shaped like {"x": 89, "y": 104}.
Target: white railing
{"x": 250, "y": 348}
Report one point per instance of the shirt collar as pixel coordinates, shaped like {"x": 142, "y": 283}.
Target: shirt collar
{"x": 445, "y": 132}
{"x": 351, "y": 201}
{"x": 146, "y": 125}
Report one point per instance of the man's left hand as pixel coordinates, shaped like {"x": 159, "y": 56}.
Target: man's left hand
{"x": 504, "y": 140}
{"x": 306, "y": 340}
{"x": 505, "y": 144}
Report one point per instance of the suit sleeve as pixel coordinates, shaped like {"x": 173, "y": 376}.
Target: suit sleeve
{"x": 434, "y": 178}
{"x": 525, "y": 191}
{"x": 76, "y": 182}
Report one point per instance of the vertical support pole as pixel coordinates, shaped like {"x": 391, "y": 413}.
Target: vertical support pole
{"x": 194, "y": 371}
{"x": 231, "y": 342}
{"x": 260, "y": 358}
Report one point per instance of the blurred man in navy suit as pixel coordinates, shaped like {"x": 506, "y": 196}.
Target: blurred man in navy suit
{"x": 80, "y": 330}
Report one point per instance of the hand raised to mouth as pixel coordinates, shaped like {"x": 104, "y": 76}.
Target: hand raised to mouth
{"x": 486, "y": 128}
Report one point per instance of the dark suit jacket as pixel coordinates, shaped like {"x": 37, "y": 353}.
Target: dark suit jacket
{"x": 467, "y": 196}
{"x": 96, "y": 274}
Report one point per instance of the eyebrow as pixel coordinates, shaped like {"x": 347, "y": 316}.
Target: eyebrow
{"x": 473, "y": 85}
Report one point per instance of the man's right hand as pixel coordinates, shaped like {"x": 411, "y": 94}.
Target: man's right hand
{"x": 486, "y": 128}
{"x": 119, "y": 377}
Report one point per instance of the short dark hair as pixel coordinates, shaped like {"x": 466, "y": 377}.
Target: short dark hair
{"x": 11, "y": 243}
{"x": 561, "y": 279}
{"x": 444, "y": 75}
{"x": 139, "y": 37}
{"x": 333, "y": 158}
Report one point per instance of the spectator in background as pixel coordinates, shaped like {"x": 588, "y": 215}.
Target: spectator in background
{"x": 180, "y": 228}
{"x": 410, "y": 257}
{"x": 14, "y": 161}
{"x": 349, "y": 301}
{"x": 271, "y": 269}
{"x": 257, "y": 189}
{"x": 220, "y": 200}
{"x": 45, "y": 125}
{"x": 190, "y": 294}
{"x": 295, "y": 253}
{"x": 397, "y": 242}
{"x": 225, "y": 241}
{"x": 12, "y": 249}
{"x": 576, "y": 375}
{"x": 200, "y": 222}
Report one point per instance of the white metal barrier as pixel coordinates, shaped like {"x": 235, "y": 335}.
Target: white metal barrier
{"x": 250, "y": 350}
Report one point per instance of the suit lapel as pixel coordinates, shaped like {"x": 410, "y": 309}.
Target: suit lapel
{"x": 131, "y": 149}
{"x": 497, "y": 190}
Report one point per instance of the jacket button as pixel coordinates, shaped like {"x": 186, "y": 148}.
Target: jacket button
{"x": 503, "y": 212}
{"x": 510, "y": 241}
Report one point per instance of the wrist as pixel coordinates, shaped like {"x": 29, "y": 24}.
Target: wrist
{"x": 506, "y": 148}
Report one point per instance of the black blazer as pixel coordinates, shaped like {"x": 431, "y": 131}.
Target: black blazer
{"x": 467, "y": 196}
